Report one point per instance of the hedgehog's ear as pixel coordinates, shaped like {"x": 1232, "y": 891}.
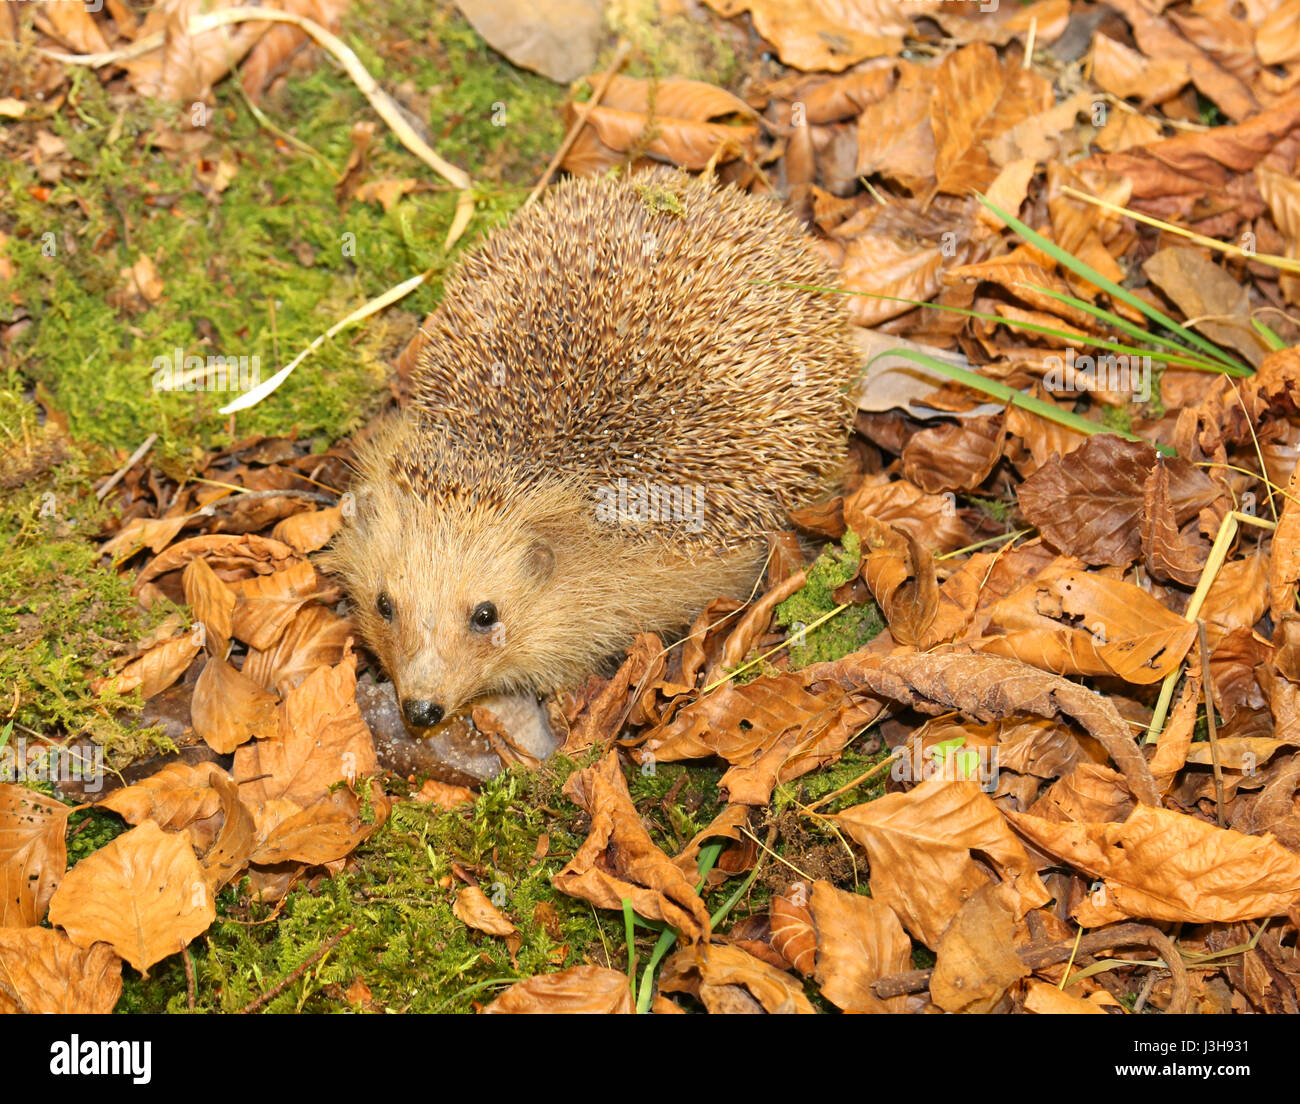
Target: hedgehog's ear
{"x": 539, "y": 559}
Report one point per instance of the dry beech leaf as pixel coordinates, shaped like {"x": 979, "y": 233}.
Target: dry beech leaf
{"x": 1168, "y": 553}
{"x": 976, "y": 961}
{"x": 231, "y": 556}
{"x": 266, "y": 604}
{"x": 322, "y": 740}
{"x": 144, "y": 894}
{"x": 618, "y": 860}
{"x": 597, "y": 723}
{"x": 157, "y": 669}
{"x": 984, "y": 688}
{"x": 43, "y": 971}
{"x": 328, "y": 829}
{"x": 234, "y": 844}
{"x": 1284, "y": 560}
{"x": 900, "y": 575}
{"x": 211, "y": 601}
{"x": 793, "y": 936}
{"x": 154, "y": 534}
{"x": 770, "y": 730}
{"x": 309, "y": 530}
{"x": 1164, "y": 865}
{"x": 1125, "y": 72}
{"x": 976, "y": 98}
{"x": 443, "y": 795}
{"x": 931, "y": 520}
{"x": 1084, "y": 623}
{"x": 175, "y": 797}
{"x": 895, "y": 138}
{"x": 726, "y": 979}
{"x": 921, "y": 846}
{"x": 1236, "y": 599}
{"x": 1048, "y": 1000}
{"x": 579, "y": 990}
{"x": 829, "y": 35}
{"x": 33, "y": 853}
{"x": 954, "y": 456}
{"x": 473, "y": 909}
{"x": 228, "y": 708}
{"x": 316, "y": 637}
{"x": 728, "y": 824}
{"x": 1089, "y": 504}
{"x": 859, "y": 939}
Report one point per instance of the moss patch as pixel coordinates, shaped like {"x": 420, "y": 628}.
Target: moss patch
{"x": 842, "y": 634}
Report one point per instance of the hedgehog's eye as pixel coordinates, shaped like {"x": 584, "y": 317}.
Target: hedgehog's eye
{"x": 483, "y": 617}
{"x": 385, "y": 606}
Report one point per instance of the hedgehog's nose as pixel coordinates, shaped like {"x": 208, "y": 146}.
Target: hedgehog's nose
{"x": 422, "y": 713}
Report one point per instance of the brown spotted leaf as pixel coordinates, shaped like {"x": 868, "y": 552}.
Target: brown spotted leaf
{"x": 1165, "y": 865}
{"x": 143, "y": 893}
{"x": 793, "y": 936}
{"x": 33, "y": 854}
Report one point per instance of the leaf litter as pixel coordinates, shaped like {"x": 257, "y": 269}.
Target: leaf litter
{"x": 1082, "y": 712}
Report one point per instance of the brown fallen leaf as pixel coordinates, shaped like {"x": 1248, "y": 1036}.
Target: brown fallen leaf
{"x": 473, "y": 909}
{"x": 211, "y": 601}
{"x": 726, "y": 979}
{"x": 322, "y": 740}
{"x": 152, "y": 533}
{"x": 315, "y": 637}
{"x": 42, "y": 971}
{"x": 1090, "y": 503}
{"x": 578, "y": 990}
{"x": 1169, "y": 866}
{"x": 1048, "y": 1000}
{"x": 826, "y": 35}
{"x": 619, "y": 861}
{"x": 1167, "y": 552}
{"x": 143, "y": 893}
{"x": 931, "y": 520}
{"x": 444, "y": 796}
{"x": 793, "y": 936}
{"x": 328, "y": 829}
{"x": 858, "y": 940}
{"x": 954, "y": 456}
{"x": 900, "y": 575}
{"x": 33, "y": 853}
{"x": 229, "y": 709}
{"x": 921, "y": 847}
{"x": 976, "y": 961}
{"x": 309, "y": 530}
{"x": 266, "y": 604}
{"x": 173, "y": 798}
{"x": 157, "y": 669}
{"x": 234, "y": 845}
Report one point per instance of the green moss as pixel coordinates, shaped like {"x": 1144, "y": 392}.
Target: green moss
{"x": 842, "y": 634}
{"x": 1117, "y": 418}
{"x": 65, "y": 616}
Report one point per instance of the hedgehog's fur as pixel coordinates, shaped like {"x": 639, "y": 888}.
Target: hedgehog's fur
{"x": 622, "y": 329}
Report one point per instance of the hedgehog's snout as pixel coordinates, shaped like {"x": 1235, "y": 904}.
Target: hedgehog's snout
{"x": 422, "y": 713}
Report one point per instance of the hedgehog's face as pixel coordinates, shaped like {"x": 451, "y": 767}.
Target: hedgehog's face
{"x": 447, "y": 621}
{"x": 453, "y": 604}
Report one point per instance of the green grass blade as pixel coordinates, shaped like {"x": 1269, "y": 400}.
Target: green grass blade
{"x": 1270, "y": 337}
{"x": 1185, "y": 358}
{"x": 1124, "y": 325}
{"x": 1011, "y": 396}
{"x": 1079, "y": 268}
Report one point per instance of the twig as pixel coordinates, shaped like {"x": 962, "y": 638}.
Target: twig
{"x": 620, "y": 55}
{"x": 279, "y": 988}
{"x": 1207, "y": 685}
{"x": 120, "y": 474}
{"x": 1038, "y": 955}
{"x": 189, "y": 978}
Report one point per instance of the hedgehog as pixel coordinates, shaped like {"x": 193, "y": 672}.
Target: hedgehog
{"x": 620, "y": 395}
